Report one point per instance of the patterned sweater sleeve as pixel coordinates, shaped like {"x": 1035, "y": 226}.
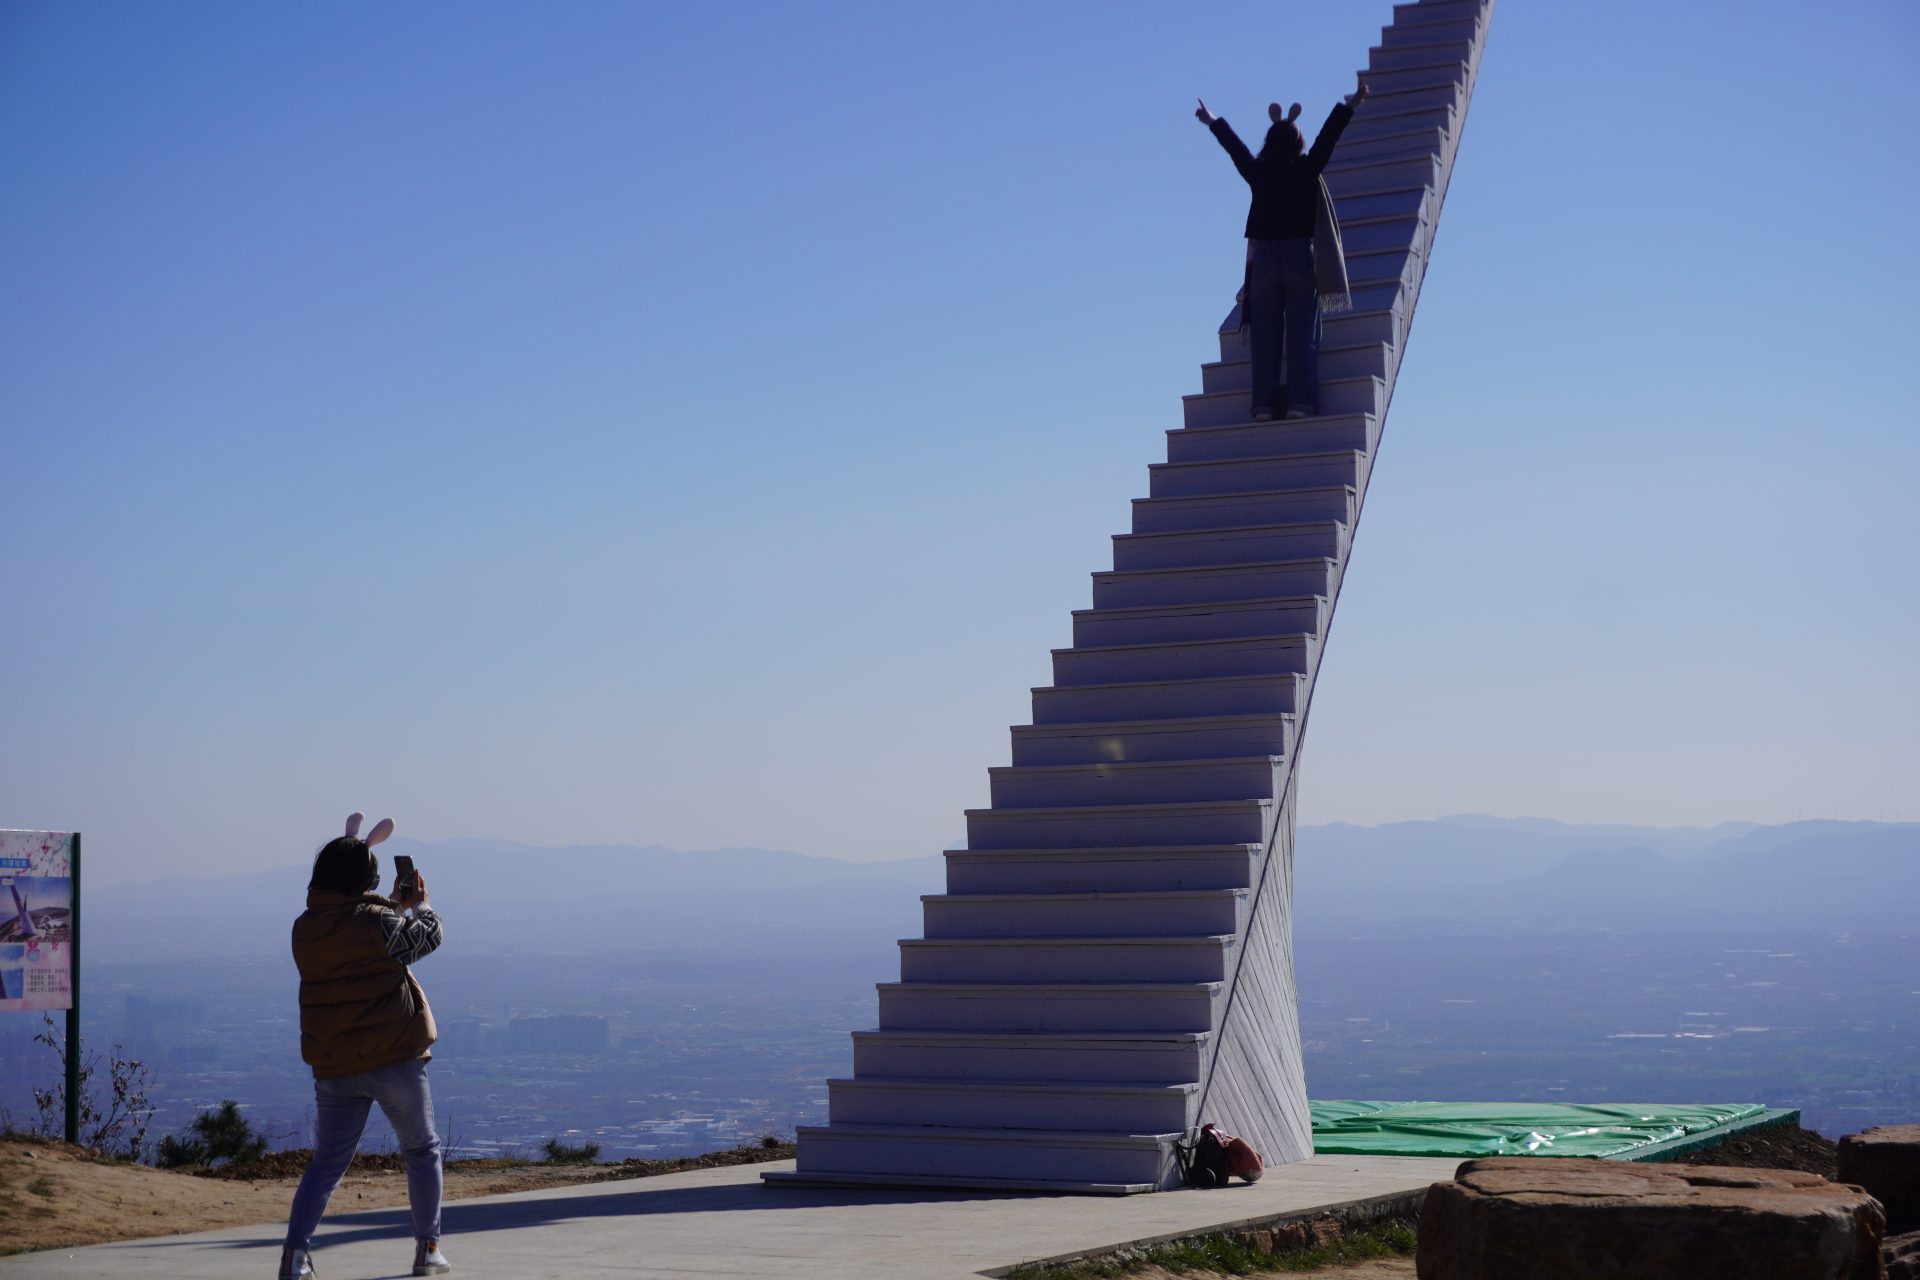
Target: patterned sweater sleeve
{"x": 411, "y": 937}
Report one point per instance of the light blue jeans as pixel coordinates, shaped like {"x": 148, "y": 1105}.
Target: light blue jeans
{"x": 340, "y": 1116}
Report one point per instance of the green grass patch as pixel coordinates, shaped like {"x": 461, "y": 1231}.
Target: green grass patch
{"x": 558, "y": 1152}
{"x": 1230, "y": 1255}
{"x": 41, "y": 1186}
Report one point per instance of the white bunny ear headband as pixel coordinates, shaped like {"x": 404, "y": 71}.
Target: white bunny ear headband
{"x": 381, "y": 829}
{"x": 1273, "y": 112}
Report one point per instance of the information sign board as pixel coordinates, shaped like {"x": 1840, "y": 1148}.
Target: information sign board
{"x": 36, "y": 920}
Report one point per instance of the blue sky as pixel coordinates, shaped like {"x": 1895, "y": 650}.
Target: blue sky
{"x": 692, "y": 424}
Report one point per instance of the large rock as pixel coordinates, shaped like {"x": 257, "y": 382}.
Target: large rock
{"x": 1886, "y": 1161}
{"x": 1902, "y": 1256}
{"x": 1526, "y": 1219}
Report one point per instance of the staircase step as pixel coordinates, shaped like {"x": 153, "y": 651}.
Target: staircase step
{"x": 1360, "y": 177}
{"x": 1411, "y": 57}
{"x": 1281, "y": 615}
{"x": 1209, "y": 584}
{"x": 1234, "y": 370}
{"x": 1263, "y": 475}
{"x": 1204, "y": 866}
{"x": 1418, "y": 140}
{"x": 1248, "y": 545}
{"x": 1024, "y": 1105}
{"x": 1399, "y": 262}
{"x": 1184, "y": 660}
{"x": 1196, "y": 959}
{"x": 1167, "y": 699}
{"x": 1184, "y": 738}
{"x": 793, "y": 1179}
{"x": 1417, "y": 35}
{"x": 1239, "y": 437}
{"x": 1337, "y": 396}
{"x": 1023, "y": 786}
{"x": 1056, "y": 1006}
{"x": 1382, "y": 235}
{"x": 1096, "y": 826}
{"x": 988, "y": 1159}
{"x": 1425, "y": 13}
{"x": 1386, "y": 323}
{"x": 1380, "y": 325}
{"x": 1238, "y": 510}
{"x": 1367, "y": 128}
{"x": 1400, "y": 266}
{"x": 1401, "y": 102}
{"x": 1160, "y": 913}
{"x": 1143, "y": 1057}
{"x": 1452, "y": 74}
{"x": 1407, "y": 202}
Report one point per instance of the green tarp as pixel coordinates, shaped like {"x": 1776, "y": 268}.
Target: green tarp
{"x": 1470, "y": 1129}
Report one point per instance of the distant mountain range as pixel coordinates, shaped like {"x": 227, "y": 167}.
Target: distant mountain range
{"x": 1458, "y": 874}
{"x": 1472, "y": 872}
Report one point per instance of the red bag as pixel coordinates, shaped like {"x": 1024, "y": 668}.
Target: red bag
{"x": 1241, "y": 1160}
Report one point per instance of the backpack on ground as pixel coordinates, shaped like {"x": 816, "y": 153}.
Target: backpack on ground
{"x": 1214, "y": 1156}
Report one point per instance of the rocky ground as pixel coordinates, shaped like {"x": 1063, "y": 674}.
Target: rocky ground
{"x": 1778, "y": 1147}
{"x": 54, "y": 1196}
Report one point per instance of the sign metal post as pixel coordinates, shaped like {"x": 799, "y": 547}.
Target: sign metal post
{"x": 73, "y": 1009}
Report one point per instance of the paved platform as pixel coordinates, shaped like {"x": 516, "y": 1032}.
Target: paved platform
{"x": 719, "y": 1223}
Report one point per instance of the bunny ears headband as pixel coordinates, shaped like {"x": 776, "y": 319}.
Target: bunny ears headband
{"x": 381, "y": 829}
{"x": 1273, "y": 113}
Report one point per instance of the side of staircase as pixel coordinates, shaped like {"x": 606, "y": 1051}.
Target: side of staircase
{"x": 1112, "y": 961}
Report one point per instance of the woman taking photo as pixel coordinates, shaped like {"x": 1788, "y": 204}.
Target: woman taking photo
{"x": 367, "y": 1032}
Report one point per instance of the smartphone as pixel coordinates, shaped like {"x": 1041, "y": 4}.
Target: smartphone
{"x": 403, "y": 869}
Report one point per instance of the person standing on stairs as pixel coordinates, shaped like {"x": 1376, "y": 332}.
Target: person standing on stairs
{"x": 1295, "y": 269}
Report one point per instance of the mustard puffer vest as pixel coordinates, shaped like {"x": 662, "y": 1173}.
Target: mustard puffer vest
{"x": 360, "y": 1009}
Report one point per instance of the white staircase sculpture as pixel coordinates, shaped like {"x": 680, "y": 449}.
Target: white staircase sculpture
{"x": 1112, "y": 962}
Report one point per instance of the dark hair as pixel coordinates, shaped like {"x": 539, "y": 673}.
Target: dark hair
{"x": 1283, "y": 142}
{"x": 345, "y": 865}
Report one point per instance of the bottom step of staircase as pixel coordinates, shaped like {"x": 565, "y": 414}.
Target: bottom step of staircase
{"x": 903, "y": 1155}
{"x": 1025, "y": 1186}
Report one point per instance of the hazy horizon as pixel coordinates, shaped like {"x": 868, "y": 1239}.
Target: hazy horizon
{"x": 299, "y": 858}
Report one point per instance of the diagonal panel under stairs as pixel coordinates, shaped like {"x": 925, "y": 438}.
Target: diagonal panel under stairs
{"x": 1112, "y": 961}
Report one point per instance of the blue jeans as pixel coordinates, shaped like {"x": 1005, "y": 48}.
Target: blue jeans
{"x": 1285, "y": 310}
{"x": 340, "y": 1116}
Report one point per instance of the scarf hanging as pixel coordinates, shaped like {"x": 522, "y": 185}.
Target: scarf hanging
{"x": 1329, "y": 261}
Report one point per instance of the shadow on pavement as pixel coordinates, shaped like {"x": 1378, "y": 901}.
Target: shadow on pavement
{"x": 463, "y": 1220}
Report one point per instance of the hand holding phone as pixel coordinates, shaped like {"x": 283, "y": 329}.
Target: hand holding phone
{"x": 406, "y": 881}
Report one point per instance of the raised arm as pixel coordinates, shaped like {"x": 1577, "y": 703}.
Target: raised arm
{"x": 1337, "y": 121}
{"x": 1223, "y": 134}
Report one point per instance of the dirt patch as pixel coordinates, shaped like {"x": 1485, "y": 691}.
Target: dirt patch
{"x": 1780, "y": 1146}
{"x": 53, "y": 1196}
{"x": 1373, "y": 1269}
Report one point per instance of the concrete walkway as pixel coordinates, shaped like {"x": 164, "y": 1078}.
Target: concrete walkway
{"x": 716, "y": 1223}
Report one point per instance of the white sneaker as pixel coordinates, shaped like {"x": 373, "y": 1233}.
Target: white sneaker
{"x": 1263, "y": 415}
{"x": 295, "y": 1265}
{"x": 1299, "y": 413}
{"x": 428, "y": 1260}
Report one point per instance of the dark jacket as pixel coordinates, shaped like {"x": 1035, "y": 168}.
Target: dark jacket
{"x": 360, "y": 1008}
{"x": 1285, "y": 192}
